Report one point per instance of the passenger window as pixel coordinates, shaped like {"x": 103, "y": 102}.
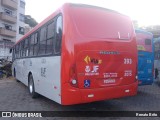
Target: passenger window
{"x": 36, "y": 38}
{"x": 32, "y": 39}
{"x": 57, "y": 44}
{"x": 43, "y": 34}
{"x": 13, "y": 53}
{"x": 50, "y": 37}
{"x": 50, "y": 30}
{"x": 26, "y": 43}
{"x": 23, "y": 50}
{"x": 36, "y": 46}
{"x": 17, "y": 51}
{"x": 20, "y": 51}
{"x": 42, "y": 44}
{"x": 26, "y": 46}
{"x": 49, "y": 49}
{"x": 31, "y": 45}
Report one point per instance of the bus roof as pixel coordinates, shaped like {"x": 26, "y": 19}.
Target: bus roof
{"x": 58, "y": 10}
{"x": 92, "y": 6}
{"x": 143, "y": 31}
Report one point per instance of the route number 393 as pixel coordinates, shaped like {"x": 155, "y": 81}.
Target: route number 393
{"x": 127, "y": 61}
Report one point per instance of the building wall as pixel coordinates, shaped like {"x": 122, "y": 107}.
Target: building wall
{"x": 4, "y": 22}
{"x": 20, "y": 20}
{"x": 10, "y": 21}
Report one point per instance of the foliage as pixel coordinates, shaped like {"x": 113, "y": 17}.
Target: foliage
{"x": 30, "y": 21}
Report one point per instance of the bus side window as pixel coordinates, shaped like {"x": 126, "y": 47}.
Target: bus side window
{"x": 21, "y": 50}
{"x": 57, "y": 44}
{"x": 26, "y": 45}
{"x": 36, "y": 47}
{"x": 13, "y": 53}
{"x": 42, "y": 42}
{"x": 50, "y": 37}
{"x": 22, "y": 47}
{"x": 17, "y": 51}
{"x": 31, "y": 45}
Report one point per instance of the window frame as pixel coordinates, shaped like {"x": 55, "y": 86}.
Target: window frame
{"x": 37, "y": 41}
{"x": 59, "y": 52}
{"x": 10, "y": 27}
{"x": 20, "y": 30}
{"x": 22, "y": 4}
{"x": 20, "y": 17}
{"x": 8, "y": 12}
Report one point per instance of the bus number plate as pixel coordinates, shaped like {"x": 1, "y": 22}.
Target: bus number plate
{"x": 109, "y": 81}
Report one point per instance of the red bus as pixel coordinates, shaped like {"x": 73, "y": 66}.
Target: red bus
{"x": 79, "y": 54}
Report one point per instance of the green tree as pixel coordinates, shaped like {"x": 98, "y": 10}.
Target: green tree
{"x": 30, "y": 21}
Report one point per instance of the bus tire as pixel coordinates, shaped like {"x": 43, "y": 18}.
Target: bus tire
{"x": 15, "y": 75}
{"x": 31, "y": 87}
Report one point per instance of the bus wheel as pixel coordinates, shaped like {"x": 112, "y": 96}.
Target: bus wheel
{"x": 15, "y": 75}
{"x": 31, "y": 87}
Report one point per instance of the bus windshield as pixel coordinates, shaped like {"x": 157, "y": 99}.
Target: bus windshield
{"x": 94, "y": 22}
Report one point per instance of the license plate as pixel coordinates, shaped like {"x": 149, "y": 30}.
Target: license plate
{"x": 109, "y": 81}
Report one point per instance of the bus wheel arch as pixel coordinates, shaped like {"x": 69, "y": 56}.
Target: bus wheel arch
{"x": 31, "y": 86}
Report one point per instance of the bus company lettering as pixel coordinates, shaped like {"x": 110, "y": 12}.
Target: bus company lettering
{"x": 109, "y": 52}
{"x": 109, "y": 75}
{"x": 127, "y": 61}
{"x": 88, "y": 59}
{"x": 127, "y": 73}
{"x": 43, "y": 72}
{"x": 92, "y": 70}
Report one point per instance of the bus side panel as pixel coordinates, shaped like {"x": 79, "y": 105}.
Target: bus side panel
{"x": 68, "y": 61}
{"x": 18, "y": 66}
{"x": 46, "y": 74}
{"x": 145, "y": 68}
{"x": 145, "y": 57}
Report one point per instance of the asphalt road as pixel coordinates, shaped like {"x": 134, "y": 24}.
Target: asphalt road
{"x": 14, "y": 96}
